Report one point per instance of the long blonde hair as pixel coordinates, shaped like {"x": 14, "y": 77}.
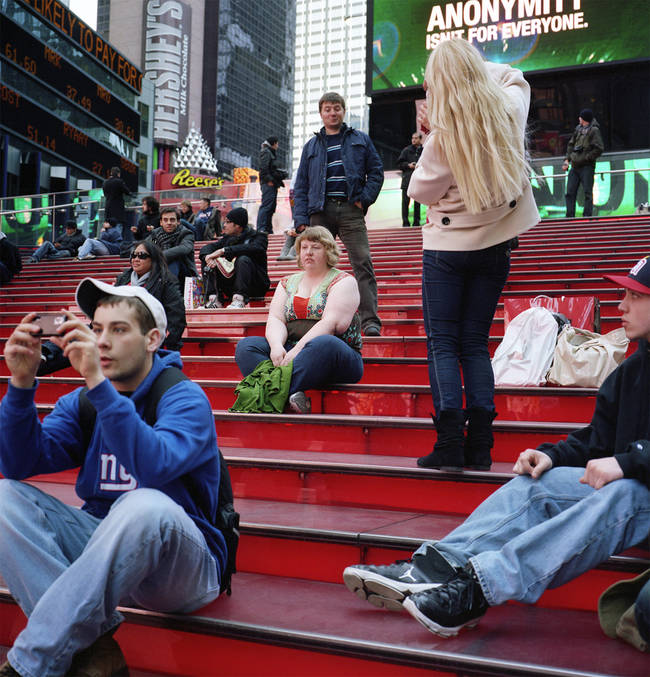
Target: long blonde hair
{"x": 474, "y": 126}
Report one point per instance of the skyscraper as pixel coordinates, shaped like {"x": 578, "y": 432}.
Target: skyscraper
{"x": 223, "y": 65}
{"x": 330, "y": 56}
{"x": 254, "y": 80}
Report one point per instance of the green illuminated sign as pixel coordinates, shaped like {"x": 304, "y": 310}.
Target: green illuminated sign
{"x": 532, "y": 35}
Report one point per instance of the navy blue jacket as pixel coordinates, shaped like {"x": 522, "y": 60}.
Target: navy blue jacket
{"x": 620, "y": 426}
{"x": 363, "y": 170}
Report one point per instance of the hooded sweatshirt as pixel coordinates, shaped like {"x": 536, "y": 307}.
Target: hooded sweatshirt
{"x": 178, "y": 456}
{"x": 620, "y": 425}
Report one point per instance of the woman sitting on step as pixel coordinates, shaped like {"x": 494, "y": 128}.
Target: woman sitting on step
{"x": 473, "y": 176}
{"x": 313, "y": 322}
{"x": 149, "y": 270}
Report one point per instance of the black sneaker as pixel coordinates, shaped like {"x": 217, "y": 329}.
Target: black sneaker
{"x": 386, "y": 586}
{"x": 446, "y": 609}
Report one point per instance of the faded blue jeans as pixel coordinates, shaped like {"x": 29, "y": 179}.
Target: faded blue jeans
{"x": 536, "y": 534}
{"x": 48, "y": 251}
{"x": 460, "y": 291}
{"x": 68, "y": 570}
{"x": 93, "y": 246}
{"x": 323, "y": 361}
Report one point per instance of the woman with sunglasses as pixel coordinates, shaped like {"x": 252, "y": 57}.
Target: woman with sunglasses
{"x": 149, "y": 270}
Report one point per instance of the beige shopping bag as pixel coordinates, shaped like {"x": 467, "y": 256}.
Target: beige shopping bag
{"x": 585, "y": 359}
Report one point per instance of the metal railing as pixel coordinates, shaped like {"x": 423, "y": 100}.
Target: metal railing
{"x": 29, "y": 219}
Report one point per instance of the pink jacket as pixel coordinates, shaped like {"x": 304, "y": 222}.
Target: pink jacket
{"x": 450, "y": 227}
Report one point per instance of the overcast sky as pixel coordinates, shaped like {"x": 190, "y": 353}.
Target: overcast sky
{"x": 86, "y": 9}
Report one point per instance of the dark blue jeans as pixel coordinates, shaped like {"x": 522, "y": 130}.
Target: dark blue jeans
{"x": 267, "y": 208}
{"x": 198, "y": 228}
{"x": 585, "y": 176}
{"x": 323, "y": 361}
{"x": 460, "y": 291}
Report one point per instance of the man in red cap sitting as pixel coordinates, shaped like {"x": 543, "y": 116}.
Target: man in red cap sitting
{"x": 573, "y": 504}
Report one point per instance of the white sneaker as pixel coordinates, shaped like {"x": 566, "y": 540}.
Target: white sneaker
{"x": 237, "y": 301}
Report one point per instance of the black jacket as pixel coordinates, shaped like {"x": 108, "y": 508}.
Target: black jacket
{"x": 585, "y": 145}
{"x": 409, "y": 154}
{"x": 181, "y": 248}
{"x": 269, "y": 170}
{"x": 10, "y": 258}
{"x": 71, "y": 242}
{"x": 146, "y": 219}
{"x": 249, "y": 242}
{"x": 620, "y": 425}
{"x": 114, "y": 191}
{"x": 165, "y": 289}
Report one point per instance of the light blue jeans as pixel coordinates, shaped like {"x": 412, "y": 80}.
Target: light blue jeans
{"x": 68, "y": 570}
{"x": 536, "y": 534}
{"x": 93, "y": 246}
{"x": 48, "y": 251}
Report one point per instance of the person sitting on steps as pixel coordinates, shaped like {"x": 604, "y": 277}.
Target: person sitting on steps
{"x": 108, "y": 242}
{"x": 234, "y": 267}
{"x": 313, "y": 322}
{"x": 572, "y": 505}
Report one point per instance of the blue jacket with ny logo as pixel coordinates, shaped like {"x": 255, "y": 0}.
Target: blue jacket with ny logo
{"x": 364, "y": 173}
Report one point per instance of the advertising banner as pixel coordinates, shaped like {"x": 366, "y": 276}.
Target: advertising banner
{"x": 167, "y": 30}
{"x": 532, "y": 35}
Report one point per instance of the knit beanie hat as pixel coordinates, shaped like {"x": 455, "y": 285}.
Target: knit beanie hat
{"x": 239, "y": 216}
{"x": 586, "y": 114}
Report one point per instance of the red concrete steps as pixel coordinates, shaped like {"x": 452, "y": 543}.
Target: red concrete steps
{"x": 279, "y": 626}
{"x": 315, "y": 542}
{"x": 379, "y": 398}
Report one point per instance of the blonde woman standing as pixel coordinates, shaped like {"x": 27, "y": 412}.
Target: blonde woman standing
{"x": 473, "y": 176}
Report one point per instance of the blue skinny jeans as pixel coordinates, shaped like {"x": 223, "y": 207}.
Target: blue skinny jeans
{"x": 460, "y": 291}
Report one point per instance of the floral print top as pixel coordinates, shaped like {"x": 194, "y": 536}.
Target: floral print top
{"x": 316, "y": 304}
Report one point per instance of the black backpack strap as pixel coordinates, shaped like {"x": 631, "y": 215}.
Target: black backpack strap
{"x": 227, "y": 518}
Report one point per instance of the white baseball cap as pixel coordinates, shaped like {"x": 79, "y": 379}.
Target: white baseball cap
{"x": 90, "y": 291}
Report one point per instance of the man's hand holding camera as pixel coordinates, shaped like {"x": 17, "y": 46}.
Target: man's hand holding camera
{"x": 23, "y": 352}
{"x": 77, "y": 340}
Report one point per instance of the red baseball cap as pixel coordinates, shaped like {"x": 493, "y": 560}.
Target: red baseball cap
{"x": 638, "y": 279}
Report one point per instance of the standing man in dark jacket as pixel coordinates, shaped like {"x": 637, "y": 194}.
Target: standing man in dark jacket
{"x": 234, "y": 267}
{"x": 585, "y": 146}
{"x": 271, "y": 178}
{"x": 406, "y": 162}
{"x": 573, "y": 504}
{"x": 339, "y": 177}
{"x": 177, "y": 244}
{"x": 114, "y": 191}
{"x": 66, "y": 245}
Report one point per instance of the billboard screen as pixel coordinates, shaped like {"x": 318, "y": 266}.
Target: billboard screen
{"x": 532, "y": 35}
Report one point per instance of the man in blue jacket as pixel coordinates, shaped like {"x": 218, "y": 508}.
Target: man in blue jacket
{"x": 572, "y": 505}
{"x": 145, "y": 534}
{"x": 339, "y": 177}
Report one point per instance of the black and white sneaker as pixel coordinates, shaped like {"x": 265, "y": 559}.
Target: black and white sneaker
{"x": 386, "y": 586}
{"x": 446, "y": 609}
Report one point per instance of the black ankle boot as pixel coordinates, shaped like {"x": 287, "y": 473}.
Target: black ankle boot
{"x": 480, "y": 439}
{"x": 447, "y": 452}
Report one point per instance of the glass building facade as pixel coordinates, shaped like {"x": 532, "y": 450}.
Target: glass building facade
{"x": 255, "y": 81}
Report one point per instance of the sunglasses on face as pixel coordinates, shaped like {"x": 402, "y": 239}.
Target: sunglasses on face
{"x": 143, "y": 256}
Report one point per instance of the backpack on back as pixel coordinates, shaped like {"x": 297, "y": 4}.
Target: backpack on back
{"x": 227, "y": 520}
